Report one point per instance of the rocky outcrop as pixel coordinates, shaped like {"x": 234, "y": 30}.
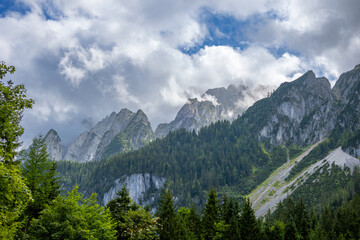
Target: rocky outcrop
{"x": 138, "y": 186}
{"x": 300, "y": 112}
{"x": 215, "y": 104}
{"x": 53, "y": 143}
{"x": 347, "y": 89}
{"x": 120, "y": 123}
{"x": 344, "y": 86}
{"x": 116, "y": 133}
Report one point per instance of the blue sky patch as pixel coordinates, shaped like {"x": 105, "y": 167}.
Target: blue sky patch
{"x": 226, "y": 30}
{"x": 13, "y": 6}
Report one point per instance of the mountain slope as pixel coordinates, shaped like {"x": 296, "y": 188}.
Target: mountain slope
{"x": 301, "y": 112}
{"x": 276, "y": 188}
{"x": 214, "y": 105}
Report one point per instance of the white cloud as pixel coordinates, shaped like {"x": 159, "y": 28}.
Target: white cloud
{"x": 78, "y": 61}
{"x": 126, "y": 52}
{"x": 50, "y": 105}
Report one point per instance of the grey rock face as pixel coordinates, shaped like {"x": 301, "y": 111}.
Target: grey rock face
{"x": 347, "y": 89}
{"x": 121, "y": 121}
{"x": 216, "y": 104}
{"x": 302, "y": 112}
{"x": 345, "y": 84}
{"x": 137, "y": 185}
{"x": 53, "y": 143}
{"x": 92, "y": 144}
{"x": 84, "y": 147}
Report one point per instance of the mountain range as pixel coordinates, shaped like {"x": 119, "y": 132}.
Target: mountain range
{"x": 280, "y": 146}
{"x": 126, "y": 131}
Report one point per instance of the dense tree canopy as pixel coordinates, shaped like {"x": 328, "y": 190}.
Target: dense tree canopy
{"x": 14, "y": 195}
{"x": 40, "y": 176}
{"x": 73, "y": 217}
{"x": 13, "y": 101}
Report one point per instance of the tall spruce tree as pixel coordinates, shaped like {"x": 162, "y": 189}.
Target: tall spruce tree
{"x": 39, "y": 172}
{"x": 249, "y": 226}
{"x": 166, "y": 213}
{"x": 211, "y": 215}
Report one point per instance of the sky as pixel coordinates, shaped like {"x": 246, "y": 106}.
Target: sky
{"x": 81, "y": 60}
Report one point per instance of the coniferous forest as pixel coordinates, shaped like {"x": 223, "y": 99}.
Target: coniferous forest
{"x": 34, "y": 204}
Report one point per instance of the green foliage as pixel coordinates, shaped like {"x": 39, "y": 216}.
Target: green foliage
{"x": 294, "y": 151}
{"x": 73, "y": 217}
{"x": 12, "y": 104}
{"x": 14, "y": 197}
{"x": 249, "y": 226}
{"x": 166, "y": 214}
{"x": 211, "y": 215}
{"x": 329, "y": 185}
{"x": 131, "y": 221}
{"x": 39, "y": 172}
{"x": 187, "y": 224}
{"x": 342, "y": 222}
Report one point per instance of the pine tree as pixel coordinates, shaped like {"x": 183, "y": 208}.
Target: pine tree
{"x": 290, "y": 231}
{"x": 249, "y": 226}
{"x": 230, "y": 215}
{"x": 39, "y": 172}
{"x": 210, "y": 215}
{"x": 302, "y": 220}
{"x": 167, "y": 215}
{"x": 184, "y": 229}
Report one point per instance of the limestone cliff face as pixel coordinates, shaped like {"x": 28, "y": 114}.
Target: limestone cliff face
{"x": 347, "y": 89}
{"x": 215, "y": 104}
{"x": 344, "y": 86}
{"x": 53, "y": 143}
{"x": 300, "y": 112}
{"x": 138, "y": 185}
{"x": 120, "y": 123}
{"x": 116, "y": 133}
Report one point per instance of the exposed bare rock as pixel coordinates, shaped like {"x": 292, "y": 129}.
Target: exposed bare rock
{"x": 53, "y": 143}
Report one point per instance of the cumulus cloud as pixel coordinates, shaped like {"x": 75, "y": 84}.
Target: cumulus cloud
{"x": 83, "y": 59}
{"x": 53, "y": 106}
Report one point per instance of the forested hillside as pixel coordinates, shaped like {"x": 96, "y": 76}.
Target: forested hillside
{"x": 222, "y": 154}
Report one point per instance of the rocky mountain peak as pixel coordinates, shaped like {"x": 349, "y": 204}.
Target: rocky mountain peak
{"x": 310, "y": 81}
{"x": 53, "y": 143}
{"x": 140, "y": 116}
{"x": 52, "y": 134}
{"x": 215, "y": 104}
{"x": 345, "y": 84}
{"x": 300, "y": 112}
